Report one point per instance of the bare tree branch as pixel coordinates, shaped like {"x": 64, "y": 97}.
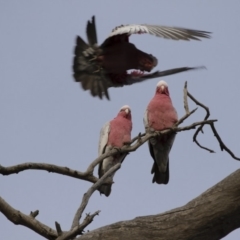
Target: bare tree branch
{"x": 47, "y": 167}
{"x": 20, "y": 218}
{"x": 185, "y": 101}
{"x": 199, "y": 104}
{"x": 185, "y": 117}
{"x": 34, "y": 214}
{"x": 88, "y": 174}
{"x": 90, "y": 191}
{"x": 29, "y": 221}
{"x": 79, "y": 229}
{"x": 212, "y": 215}
{"x": 201, "y": 127}
{"x": 222, "y": 145}
{"x": 144, "y": 138}
{"x": 58, "y": 228}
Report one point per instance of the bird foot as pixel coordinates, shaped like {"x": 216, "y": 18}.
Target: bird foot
{"x": 137, "y": 73}
{"x": 118, "y": 149}
{"x": 149, "y": 130}
{"x": 139, "y": 138}
{"x": 158, "y": 133}
{"x": 127, "y": 143}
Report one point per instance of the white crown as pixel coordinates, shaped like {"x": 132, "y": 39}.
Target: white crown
{"x": 124, "y": 107}
{"x": 160, "y": 83}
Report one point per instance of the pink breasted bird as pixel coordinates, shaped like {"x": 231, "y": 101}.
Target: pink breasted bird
{"x": 113, "y": 135}
{"x": 98, "y": 68}
{"x": 160, "y": 114}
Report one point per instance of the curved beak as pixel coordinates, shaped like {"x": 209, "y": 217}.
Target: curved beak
{"x": 127, "y": 111}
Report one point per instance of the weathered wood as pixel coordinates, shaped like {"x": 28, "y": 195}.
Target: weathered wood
{"x": 210, "y": 216}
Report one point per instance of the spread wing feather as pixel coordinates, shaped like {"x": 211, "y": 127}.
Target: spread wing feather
{"x": 175, "y": 33}
{"x": 91, "y": 32}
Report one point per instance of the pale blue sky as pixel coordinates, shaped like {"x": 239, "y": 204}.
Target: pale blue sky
{"x": 47, "y": 117}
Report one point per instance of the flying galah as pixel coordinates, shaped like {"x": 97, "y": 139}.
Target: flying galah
{"x": 113, "y": 135}
{"x": 101, "y": 67}
{"x": 160, "y": 114}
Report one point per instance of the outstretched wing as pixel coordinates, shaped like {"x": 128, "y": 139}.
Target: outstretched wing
{"x": 134, "y": 78}
{"x": 175, "y": 33}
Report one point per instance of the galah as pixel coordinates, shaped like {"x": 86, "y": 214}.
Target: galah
{"x": 101, "y": 67}
{"x": 159, "y": 115}
{"x": 114, "y": 134}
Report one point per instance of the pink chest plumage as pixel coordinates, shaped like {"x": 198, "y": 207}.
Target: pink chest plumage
{"x": 120, "y": 131}
{"x": 161, "y": 113}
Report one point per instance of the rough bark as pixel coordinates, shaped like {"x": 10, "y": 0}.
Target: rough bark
{"x": 212, "y": 215}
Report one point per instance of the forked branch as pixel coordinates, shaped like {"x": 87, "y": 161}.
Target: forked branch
{"x": 200, "y": 128}
{"x": 30, "y": 221}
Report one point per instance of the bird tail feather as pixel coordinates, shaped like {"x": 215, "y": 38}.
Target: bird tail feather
{"x": 105, "y": 189}
{"x": 91, "y": 32}
{"x": 160, "y": 177}
{"x": 87, "y": 70}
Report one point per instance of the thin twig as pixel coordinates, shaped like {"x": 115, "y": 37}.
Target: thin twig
{"x": 201, "y": 146}
{"x": 34, "y": 214}
{"x": 90, "y": 191}
{"x": 78, "y": 230}
{"x": 185, "y": 117}
{"x": 47, "y": 167}
{"x": 200, "y": 128}
{"x": 58, "y": 228}
{"x": 19, "y": 218}
{"x": 185, "y": 101}
{"x": 137, "y": 137}
{"x": 88, "y": 174}
{"x": 199, "y": 104}
{"x": 203, "y": 106}
{"x": 222, "y": 145}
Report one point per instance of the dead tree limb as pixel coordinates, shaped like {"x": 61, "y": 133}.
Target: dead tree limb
{"x": 89, "y": 193}
{"x": 88, "y": 174}
{"x": 200, "y": 128}
{"x": 210, "y": 216}
{"x": 49, "y": 168}
{"x": 28, "y": 221}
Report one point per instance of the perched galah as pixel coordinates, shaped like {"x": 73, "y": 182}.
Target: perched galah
{"x": 101, "y": 67}
{"x": 160, "y": 114}
{"x": 114, "y": 134}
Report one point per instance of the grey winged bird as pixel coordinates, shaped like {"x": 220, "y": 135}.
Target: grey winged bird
{"x": 101, "y": 67}
{"x": 113, "y": 135}
{"x": 159, "y": 115}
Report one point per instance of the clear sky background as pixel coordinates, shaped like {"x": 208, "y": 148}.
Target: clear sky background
{"x": 47, "y": 117}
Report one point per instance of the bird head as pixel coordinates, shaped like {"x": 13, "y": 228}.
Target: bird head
{"x": 125, "y": 111}
{"x": 147, "y": 62}
{"x": 162, "y": 88}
